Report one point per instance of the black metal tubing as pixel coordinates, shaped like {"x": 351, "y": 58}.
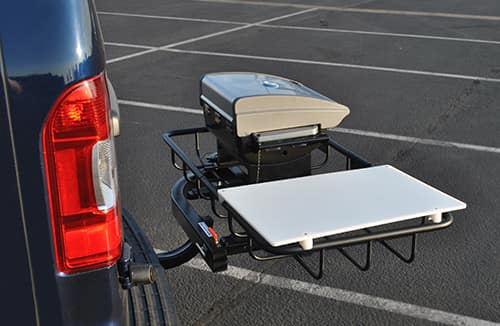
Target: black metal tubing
{"x": 330, "y": 242}
{"x": 355, "y": 160}
{"x": 366, "y": 265}
{"x": 251, "y": 252}
{"x": 317, "y": 275}
{"x": 179, "y": 256}
{"x": 177, "y": 151}
{"x": 325, "y": 161}
{"x": 216, "y": 254}
{"x": 396, "y": 253}
{"x": 230, "y": 226}
{"x": 214, "y": 210}
{"x": 235, "y": 245}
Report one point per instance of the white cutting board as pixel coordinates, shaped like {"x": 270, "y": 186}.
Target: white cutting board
{"x": 302, "y": 209}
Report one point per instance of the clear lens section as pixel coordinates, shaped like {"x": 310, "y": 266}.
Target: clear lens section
{"x": 104, "y": 174}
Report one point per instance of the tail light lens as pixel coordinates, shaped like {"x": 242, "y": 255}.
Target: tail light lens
{"x": 81, "y": 178}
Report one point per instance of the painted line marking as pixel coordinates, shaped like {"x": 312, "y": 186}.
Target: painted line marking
{"x": 204, "y": 37}
{"x": 161, "y": 107}
{"x": 401, "y": 35}
{"x": 300, "y": 61}
{"x": 149, "y": 49}
{"x": 423, "y": 141}
{"x": 344, "y": 296}
{"x": 128, "y": 45}
{"x": 130, "y": 56}
{"x": 336, "y": 64}
{"x": 199, "y": 20}
{"x": 313, "y": 29}
{"x": 365, "y": 133}
{"x": 195, "y": 39}
{"x": 362, "y": 10}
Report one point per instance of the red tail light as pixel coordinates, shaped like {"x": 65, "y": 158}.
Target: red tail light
{"x": 80, "y": 170}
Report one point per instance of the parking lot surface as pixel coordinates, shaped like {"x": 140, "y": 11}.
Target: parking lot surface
{"x": 422, "y": 80}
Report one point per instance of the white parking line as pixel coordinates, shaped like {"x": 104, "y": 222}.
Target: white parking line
{"x": 149, "y": 49}
{"x": 336, "y": 64}
{"x": 203, "y": 37}
{"x": 423, "y": 141}
{"x": 300, "y": 61}
{"x": 345, "y": 296}
{"x": 361, "y": 10}
{"x": 195, "y": 39}
{"x": 365, "y": 133}
{"x": 128, "y": 45}
{"x": 161, "y": 107}
{"x": 130, "y": 56}
{"x": 314, "y": 29}
{"x": 402, "y": 35}
{"x": 199, "y": 20}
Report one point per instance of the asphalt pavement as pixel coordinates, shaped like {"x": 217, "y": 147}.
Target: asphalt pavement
{"x": 422, "y": 80}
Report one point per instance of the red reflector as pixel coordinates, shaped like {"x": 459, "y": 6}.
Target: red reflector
{"x": 87, "y": 234}
{"x": 92, "y": 243}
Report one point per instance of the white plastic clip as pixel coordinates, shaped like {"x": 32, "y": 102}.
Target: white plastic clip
{"x": 436, "y": 218}
{"x": 306, "y": 244}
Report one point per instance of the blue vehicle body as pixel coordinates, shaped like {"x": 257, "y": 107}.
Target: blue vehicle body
{"x": 46, "y": 46}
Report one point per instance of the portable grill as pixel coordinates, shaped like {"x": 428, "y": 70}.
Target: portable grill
{"x": 267, "y": 130}
{"x": 268, "y": 124}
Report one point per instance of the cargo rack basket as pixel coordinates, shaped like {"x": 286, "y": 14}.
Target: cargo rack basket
{"x": 204, "y": 180}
